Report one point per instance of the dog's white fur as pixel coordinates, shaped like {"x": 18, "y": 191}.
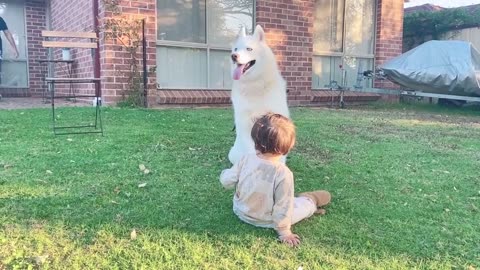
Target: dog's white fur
{"x": 261, "y": 89}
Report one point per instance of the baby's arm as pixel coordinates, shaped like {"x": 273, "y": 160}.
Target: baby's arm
{"x": 292, "y": 240}
{"x": 229, "y": 177}
{"x": 282, "y": 212}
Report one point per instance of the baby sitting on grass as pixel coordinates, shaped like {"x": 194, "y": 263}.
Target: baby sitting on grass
{"x": 264, "y": 194}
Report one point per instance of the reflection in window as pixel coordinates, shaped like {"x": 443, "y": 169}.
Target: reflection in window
{"x": 359, "y": 33}
{"x": 354, "y": 68}
{"x": 14, "y": 71}
{"x": 343, "y": 42}
{"x": 181, "y": 65}
{"x": 328, "y": 26}
{"x": 181, "y": 20}
{"x": 326, "y": 70}
{"x": 205, "y": 29}
{"x": 225, "y": 19}
{"x": 220, "y": 77}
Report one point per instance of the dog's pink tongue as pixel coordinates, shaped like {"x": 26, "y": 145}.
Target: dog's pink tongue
{"x": 238, "y": 72}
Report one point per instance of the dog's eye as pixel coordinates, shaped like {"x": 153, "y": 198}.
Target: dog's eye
{"x": 249, "y": 49}
{"x": 235, "y": 49}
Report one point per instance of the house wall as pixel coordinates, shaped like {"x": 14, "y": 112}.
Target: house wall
{"x": 77, "y": 15}
{"x": 73, "y": 16}
{"x": 389, "y": 35}
{"x": 115, "y": 59}
{"x": 289, "y": 31}
{"x": 36, "y": 22}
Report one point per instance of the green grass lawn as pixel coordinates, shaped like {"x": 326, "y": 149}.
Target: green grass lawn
{"x": 405, "y": 185}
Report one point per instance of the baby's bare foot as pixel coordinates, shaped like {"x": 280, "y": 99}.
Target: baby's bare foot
{"x": 321, "y": 211}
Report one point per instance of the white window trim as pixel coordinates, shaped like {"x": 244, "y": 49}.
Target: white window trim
{"x": 206, "y": 46}
{"x": 343, "y": 54}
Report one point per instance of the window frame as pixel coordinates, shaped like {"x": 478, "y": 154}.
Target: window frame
{"x": 19, "y": 60}
{"x": 344, "y": 54}
{"x": 204, "y": 46}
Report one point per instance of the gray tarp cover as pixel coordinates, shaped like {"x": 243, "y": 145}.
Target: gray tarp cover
{"x": 442, "y": 67}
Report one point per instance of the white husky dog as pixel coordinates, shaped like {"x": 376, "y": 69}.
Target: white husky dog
{"x": 258, "y": 88}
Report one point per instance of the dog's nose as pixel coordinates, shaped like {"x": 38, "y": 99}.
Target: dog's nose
{"x": 234, "y": 57}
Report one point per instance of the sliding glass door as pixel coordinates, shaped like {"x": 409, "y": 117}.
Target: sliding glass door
{"x": 14, "y": 70}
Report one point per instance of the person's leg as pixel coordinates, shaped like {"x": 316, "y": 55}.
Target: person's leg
{"x": 303, "y": 207}
{"x": 1, "y": 74}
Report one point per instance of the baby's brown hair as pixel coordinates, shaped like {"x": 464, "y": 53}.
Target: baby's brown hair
{"x": 273, "y": 134}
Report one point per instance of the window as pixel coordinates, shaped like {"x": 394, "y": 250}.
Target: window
{"x": 193, "y": 42}
{"x": 14, "y": 71}
{"x": 343, "y": 42}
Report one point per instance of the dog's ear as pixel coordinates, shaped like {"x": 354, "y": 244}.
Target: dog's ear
{"x": 259, "y": 34}
{"x": 242, "y": 32}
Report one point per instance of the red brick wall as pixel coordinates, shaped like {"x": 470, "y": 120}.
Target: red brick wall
{"x": 35, "y": 12}
{"x": 289, "y": 30}
{"x": 115, "y": 60}
{"x": 78, "y": 16}
{"x": 389, "y": 35}
{"x": 74, "y": 16}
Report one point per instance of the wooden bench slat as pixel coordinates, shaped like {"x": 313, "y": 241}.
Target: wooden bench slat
{"x": 69, "y": 44}
{"x": 60, "y": 34}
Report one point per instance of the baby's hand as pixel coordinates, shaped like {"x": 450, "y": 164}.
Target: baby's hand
{"x": 292, "y": 240}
